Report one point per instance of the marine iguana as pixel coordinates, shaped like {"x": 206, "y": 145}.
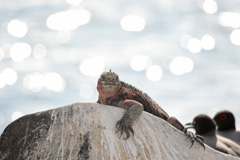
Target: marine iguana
{"x": 113, "y": 91}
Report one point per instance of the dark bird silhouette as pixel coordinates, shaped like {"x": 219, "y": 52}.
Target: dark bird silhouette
{"x": 225, "y": 121}
{"x": 206, "y": 127}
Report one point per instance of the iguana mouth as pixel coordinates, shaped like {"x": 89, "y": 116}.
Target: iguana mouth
{"x": 110, "y": 83}
{"x": 110, "y": 87}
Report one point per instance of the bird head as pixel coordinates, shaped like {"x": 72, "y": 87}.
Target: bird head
{"x": 202, "y": 124}
{"x": 225, "y": 120}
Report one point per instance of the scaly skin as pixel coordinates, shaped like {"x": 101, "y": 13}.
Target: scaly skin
{"x": 114, "y": 92}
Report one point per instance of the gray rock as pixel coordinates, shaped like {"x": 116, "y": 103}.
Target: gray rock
{"x": 85, "y": 131}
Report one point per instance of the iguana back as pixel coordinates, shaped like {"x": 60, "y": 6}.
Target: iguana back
{"x": 150, "y": 106}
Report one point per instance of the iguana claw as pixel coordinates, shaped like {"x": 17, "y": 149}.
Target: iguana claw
{"x": 122, "y": 127}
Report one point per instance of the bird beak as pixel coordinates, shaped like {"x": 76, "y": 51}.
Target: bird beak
{"x": 189, "y": 125}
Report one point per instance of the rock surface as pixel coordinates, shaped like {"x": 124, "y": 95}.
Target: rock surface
{"x": 85, "y": 131}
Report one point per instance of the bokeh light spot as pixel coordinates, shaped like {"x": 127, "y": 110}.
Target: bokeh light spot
{"x": 68, "y": 20}
{"x": 20, "y": 51}
{"x": 181, "y": 65}
{"x": 133, "y": 23}
{"x": 37, "y": 81}
{"x": 9, "y": 76}
{"x": 194, "y": 45}
{"x": 229, "y": 19}
{"x": 54, "y": 82}
{"x": 208, "y": 42}
{"x": 154, "y": 73}
{"x": 34, "y": 82}
{"x": 235, "y": 37}
{"x": 210, "y": 6}
{"x": 17, "y": 28}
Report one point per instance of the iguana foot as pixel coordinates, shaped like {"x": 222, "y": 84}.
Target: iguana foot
{"x": 124, "y": 127}
{"x": 193, "y": 137}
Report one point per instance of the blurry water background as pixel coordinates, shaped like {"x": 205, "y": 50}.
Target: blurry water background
{"x": 184, "y": 54}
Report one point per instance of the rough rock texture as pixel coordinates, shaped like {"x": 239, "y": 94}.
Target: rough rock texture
{"x": 85, "y": 131}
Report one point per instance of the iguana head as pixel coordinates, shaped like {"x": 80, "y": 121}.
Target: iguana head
{"x": 108, "y": 84}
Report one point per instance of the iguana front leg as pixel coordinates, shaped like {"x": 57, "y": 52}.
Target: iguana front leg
{"x": 134, "y": 110}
